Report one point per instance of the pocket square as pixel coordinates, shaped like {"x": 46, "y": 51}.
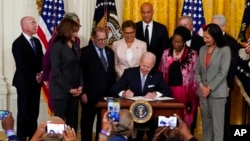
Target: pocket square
{"x": 150, "y": 86}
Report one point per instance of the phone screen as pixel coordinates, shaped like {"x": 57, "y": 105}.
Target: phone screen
{"x": 3, "y": 113}
{"x": 54, "y": 128}
{"x": 171, "y": 121}
{"x": 113, "y": 109}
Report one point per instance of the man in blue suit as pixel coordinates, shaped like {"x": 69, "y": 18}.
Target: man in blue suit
{"x": 157, "y": 39}
{"x": 154, "y": 86}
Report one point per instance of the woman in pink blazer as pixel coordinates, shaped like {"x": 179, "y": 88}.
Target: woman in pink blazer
{"x": 128, "y": 50}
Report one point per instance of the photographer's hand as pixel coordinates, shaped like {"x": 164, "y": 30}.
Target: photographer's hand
{"x": 69, "y": 134}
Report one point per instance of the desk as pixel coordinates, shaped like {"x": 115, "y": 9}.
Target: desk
{"x": 164, "y": 108}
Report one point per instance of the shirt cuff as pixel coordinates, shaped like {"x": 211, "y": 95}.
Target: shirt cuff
{"x": 9, "y": 133}
{"x": 158, "y": 94}
{"x": 120, "y": 93}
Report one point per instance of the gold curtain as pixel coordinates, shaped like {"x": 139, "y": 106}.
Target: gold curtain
{"x": 168, "y": 12}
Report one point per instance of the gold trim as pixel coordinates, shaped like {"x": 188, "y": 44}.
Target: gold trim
{"x": 141, "y": 111}
{"x": 39, "y": 4}
{"x": 242, "y": 90}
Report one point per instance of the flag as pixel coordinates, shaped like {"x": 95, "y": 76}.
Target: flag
{"x": 106, "y": 16}
{"x": 243, "y": 68}
{"x": 52, "y": 13}
{"x": 194, "y": 9}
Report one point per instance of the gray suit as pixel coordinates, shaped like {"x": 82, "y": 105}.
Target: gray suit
{"x": 213, "y": 107}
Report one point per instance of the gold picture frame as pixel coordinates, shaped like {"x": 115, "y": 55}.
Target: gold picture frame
{"x": 141, "y": 111}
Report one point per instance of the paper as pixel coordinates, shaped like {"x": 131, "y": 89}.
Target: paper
{"x": 154, "y": 99}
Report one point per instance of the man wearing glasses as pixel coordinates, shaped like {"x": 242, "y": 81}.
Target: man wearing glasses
{"x": 98, "y": 68}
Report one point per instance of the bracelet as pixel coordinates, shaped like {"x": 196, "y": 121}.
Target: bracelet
{"x": 104, "y": 132}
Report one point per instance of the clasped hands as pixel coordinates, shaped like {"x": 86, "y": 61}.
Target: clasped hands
{"x": 128, "y": 94}
{"x": 205, "y": 90}
{"x": 76, "y": 91}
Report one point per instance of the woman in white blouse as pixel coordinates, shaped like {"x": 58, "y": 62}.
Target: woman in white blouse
{"x": 128, "y": 50}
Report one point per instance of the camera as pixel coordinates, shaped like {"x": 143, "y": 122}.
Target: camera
{"x": 171, "y": 121}
{"x": 3, "y": 113}
{"x": 55, "y": 128}
{"x": 113, "y": 109}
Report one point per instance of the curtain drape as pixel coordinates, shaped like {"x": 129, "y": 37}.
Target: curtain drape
{"x": 168, "y": 12}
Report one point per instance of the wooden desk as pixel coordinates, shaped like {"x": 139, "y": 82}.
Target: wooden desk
{"x": 164, "y": 108}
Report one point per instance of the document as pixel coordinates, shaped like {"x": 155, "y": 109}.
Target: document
{"x": 154, "y": 99}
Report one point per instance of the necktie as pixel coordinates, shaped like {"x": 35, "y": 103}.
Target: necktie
{"x": 33, "y": 45}
{"x": 143, "y": 79}
{"x": 103, "y": 60}
{"x": 147, "y": 35}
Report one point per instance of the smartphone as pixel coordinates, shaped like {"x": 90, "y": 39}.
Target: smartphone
{"x": 164, "y": 121}
{"x": 113, "y": 109}
{"x": 3, "y": 113}
{"x": 55, "y": 128}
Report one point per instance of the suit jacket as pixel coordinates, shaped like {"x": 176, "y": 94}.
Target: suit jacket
{"x": 234, "y": 47}
{"x": 196, "y": 42}
{"x": 216, "y": 73}
{"x": 120, "y": 49}
{"x": 131, "y": 79}
{"x": 28, "y": 64}
{"x": 159, "y": 40}
{"x": 66, "y": 70}
{"x": 97, "y": 82}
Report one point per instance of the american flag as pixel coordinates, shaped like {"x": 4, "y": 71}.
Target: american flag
{"x": 194, "y": 9}
{"x": 52, "y": 13}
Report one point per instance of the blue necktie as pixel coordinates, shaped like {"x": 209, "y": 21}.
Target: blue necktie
{"x": 143, "y": 79}
{"x": 103, "y": 60}
{"x": 33, "y": 45}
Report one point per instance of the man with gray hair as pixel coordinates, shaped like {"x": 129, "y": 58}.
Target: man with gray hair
{"x": 196, "y": 40}
{"x": 220, "y": 20}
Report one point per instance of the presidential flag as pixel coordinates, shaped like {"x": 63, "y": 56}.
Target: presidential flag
{"x": 106, "y": 16}
{"x": 52, "y": 13}
{"x": 243, "y": 68}
{"x": 194, "y": 9}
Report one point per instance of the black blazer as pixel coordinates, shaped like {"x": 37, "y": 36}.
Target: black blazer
{"x": 66, "y": 70}
{"x": 131, "y": 79}
{"x": 97, "y": 82}
{"x": 234, "y": 47}
{"x": 27, "y": 63}
{"x": 196, "y": 42}
{"x": 159, "y": 40}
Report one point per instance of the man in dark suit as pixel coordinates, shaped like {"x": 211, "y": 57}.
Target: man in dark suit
{"x": 154, "y": 86}
{"x": 196, "y": 41}
{"x": 158, "y": 39}
{"x": 97, "y": 62}
{"x": 27, "y": 52}
{"x": 234, "y": 47}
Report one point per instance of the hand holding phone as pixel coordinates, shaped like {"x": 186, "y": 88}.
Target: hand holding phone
{"x": 113, "y": 109}
{"x": 3, "y": 113}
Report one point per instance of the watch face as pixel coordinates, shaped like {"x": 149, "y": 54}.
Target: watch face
{"x": 141, "y": 111}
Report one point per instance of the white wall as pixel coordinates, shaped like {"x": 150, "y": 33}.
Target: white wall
{"x": 11, "y": 11}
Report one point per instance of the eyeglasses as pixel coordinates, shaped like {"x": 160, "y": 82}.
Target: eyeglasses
{"x": 129, "y": 33}
{"x": 101, "y": 40}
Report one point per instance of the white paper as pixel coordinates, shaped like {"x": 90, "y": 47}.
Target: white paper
{"x": 154, "y": 99}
